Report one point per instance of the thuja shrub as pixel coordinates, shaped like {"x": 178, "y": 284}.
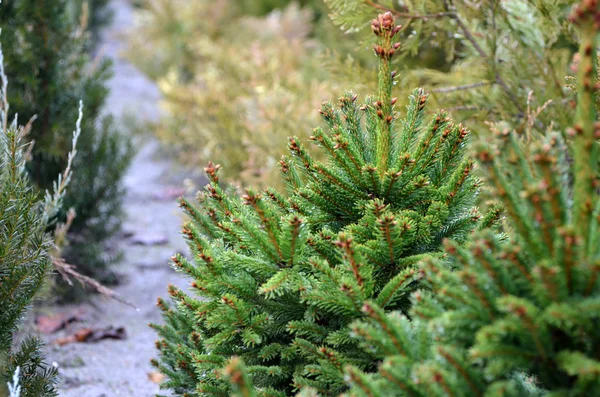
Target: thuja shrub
{"x": 46, "y": 57}
{"x": 517, "y": 317}
{"x": 277, "y": 279}
{"x": 237, "y": 84}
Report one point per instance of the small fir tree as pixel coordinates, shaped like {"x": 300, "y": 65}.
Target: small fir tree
{"x": 277, "y": 279}
{"x": 24, "y": 267}
{"x": 518, "y": 318}
{"x": 45, "y": 54}
{"x": 25, "y": 262}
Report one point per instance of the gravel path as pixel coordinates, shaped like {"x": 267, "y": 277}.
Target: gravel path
{"x": 121, "y": 367}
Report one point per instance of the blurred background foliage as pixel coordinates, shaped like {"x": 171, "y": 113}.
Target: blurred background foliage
{"x": 238, "y": 77}
{"x": 47, "y": 54}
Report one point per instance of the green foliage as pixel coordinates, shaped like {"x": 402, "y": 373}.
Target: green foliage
{"x": 497, "y": 53}
{"x": 46, "y": 56}
{"x": 263, "y": 7}
{"x": 24, "y": 266}
{"x": 277, "y": 279}
{"x": 516, "y": 317}
{"x": 238, "y": 84}
{"x": 24, "y": 259}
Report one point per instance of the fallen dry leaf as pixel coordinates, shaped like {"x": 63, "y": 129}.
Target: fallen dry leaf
{"x": 56, "y": 322}
{"x": 89, "y": 335}
{"x": 156, "y": 377}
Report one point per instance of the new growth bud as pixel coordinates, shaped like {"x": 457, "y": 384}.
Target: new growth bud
{"x": 384, "y": 28}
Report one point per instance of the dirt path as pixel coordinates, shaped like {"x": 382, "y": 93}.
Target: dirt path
{"x": 112, "y": 367}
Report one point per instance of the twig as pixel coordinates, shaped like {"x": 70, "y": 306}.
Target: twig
{"x": 460, "y": 87}
{"x": 53, "y": 200}
{"x": 469, "y": 36}
{"x": 3, "y": 90}
{"x": 379, "y": 6}
{"x": 14, "y": 388}
{"x": 67, "y": 271}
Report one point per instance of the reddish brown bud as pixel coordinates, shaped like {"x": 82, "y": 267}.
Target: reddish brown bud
{"x": 379, "y": 50}
{"x": 387, "y": 20}
{"x": 376, "y": 27}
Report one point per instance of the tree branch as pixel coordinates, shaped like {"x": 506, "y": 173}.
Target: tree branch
{"x": 67, "y": 271}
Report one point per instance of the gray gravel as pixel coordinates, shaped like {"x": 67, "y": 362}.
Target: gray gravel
{"x": 120, "y": 368}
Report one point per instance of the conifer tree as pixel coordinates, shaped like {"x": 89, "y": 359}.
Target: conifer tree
{"x": 277, "y": 279}
{"x": 517, "y": 317}
{"x": 24, "y": 267}
{"x": 25, "y": 262}
{"x": 46, "y": 57}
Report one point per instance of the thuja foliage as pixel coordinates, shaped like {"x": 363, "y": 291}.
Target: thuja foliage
{"x": 497, "y": 53}
{"x": 238, "y": 84}
{"x": 517, "y": 318}
{"x": 46, "y": 55}
{"x": 277, "y": 279}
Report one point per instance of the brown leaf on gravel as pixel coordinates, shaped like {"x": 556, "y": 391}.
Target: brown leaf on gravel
{"x": 54, "y": 323}
{"x": 89, "y": 335}
{"x": 156, "y": 377}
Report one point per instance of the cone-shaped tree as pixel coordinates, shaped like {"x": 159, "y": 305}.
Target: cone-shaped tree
{"x": 277, "y": 279}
